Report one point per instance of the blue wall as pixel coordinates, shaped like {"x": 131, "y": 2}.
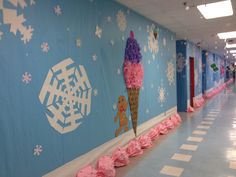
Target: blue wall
{"x": 43, "y": 60}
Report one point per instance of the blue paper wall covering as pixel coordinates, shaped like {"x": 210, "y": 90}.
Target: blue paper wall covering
{"x": 61, "y": 65}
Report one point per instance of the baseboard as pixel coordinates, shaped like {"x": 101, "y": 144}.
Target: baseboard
{"x": 69, "y": 169}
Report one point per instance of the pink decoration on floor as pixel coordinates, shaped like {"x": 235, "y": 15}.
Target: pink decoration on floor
{"x": 88, "y": 171}
{"x": 162, "y": 128}
{"x": 178, "y": 117}
{"x": 153, "y": 134}
{"x": 169, "y": 124}
{"x": 134, "y": 148}
{"x": 105, "y": 167}
{"x": 120, "y": 157}
{"x": 133, "y": 74}
{"x": 190, "y": 109}
{"x": 145, "y": 141}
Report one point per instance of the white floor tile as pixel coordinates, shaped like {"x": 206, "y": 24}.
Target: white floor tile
{"x": 199, "y": 132}
{"x": 189, "y": 147}
{"x": 203, "y": 127}
{"x": 181, "y": 157}
{"x": 207, "y": 122}
{"x": 172, "y": 171}
{"x": 195, "y": 139}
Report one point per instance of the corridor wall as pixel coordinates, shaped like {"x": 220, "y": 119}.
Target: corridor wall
{"x": 61, "y": 74}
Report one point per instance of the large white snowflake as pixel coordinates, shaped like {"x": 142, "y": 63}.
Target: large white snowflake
{"x": 98, "y": 32}
{"x": 38, "y": 150}
{"x": 161, "y": 94}
{"x": 26, "y": 78}
{"x": 10, "y": 17}
{"x": 121, "y": 20}
{"x": 170, "y": 73}
{"x": 180, "y": 62}
{"x": 57, "y": 10}
{"x": 45, "y": 47}
{"x": 78, "y": 42}
{"x": 152, "y": 41}
{"x": 66, "y": 95}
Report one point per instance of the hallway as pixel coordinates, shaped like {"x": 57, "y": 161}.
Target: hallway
{"x": 203, "y": 145}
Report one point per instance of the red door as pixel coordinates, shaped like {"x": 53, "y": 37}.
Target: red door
{"x": 191, "y": 80}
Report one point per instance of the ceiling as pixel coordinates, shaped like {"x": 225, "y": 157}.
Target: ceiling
{"x": 187, "y": 24}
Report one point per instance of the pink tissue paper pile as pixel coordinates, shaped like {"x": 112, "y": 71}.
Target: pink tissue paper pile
{"x": 120, "y": 157}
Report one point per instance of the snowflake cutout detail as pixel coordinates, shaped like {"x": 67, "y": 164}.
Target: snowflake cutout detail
{"x": 32, "y": 2}
{"x": 114, "y": 106}
{"x": 26, "y": 78}
{"x": 98, "y": 32}
{"x": 121, "y": 20}
{"x": 66, "y": 95}
{"x": 164, "y": 42}
{"x": 78, "y": 42}
{"x": 45, "y": 47}
{"x": 161, "y": 94}
{"x": 38, "y": 150}
{"x": 112, "y": 42}
{"x": 57, "y": 10}
{"x": 118, "y": 71}
{"x": 123, "y": 38}
{"x": 95, "y": 92}
{"x": 180, "y": 62}
{"x": 94, "y": 57}
{"x": 152, "y": 41}
{"x": 170, "y": 73}
{"x": 109, "y": 19}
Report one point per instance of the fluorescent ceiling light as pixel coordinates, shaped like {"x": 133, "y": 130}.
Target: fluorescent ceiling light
{"x": 234, "y": 55}
{"x": 216, "y": 9}
{"x": 227, "y": 35}
{"x": 230, "y": 45}
{"x": 232, "y": 51}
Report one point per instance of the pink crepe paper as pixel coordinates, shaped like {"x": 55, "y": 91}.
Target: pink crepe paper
{"x": 162, "y": 128}
{"x": 88, "y": 171}
{"x": 105, "y": 167}
{"x": 190, "y": 109}
{"x": 153, "y": 134}
{"x": 120, "y": 157}
{"x": 133, "y": 74}
{"x": 169, "y": 124}
{"x": 145, "y": 141}
{"x": 178, "y": 117}
{"x": 134, "y": 148}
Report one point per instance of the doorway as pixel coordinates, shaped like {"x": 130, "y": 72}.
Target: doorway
{"x": 192, "y": 84}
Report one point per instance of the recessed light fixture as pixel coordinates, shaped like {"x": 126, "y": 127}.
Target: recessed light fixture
{"x": 230, "y": 45}
{"x": 234, "y": 55}
{"x": 232, "y": 51}
{"x": 216, "y": 9}
{"x": 227, "y": 35}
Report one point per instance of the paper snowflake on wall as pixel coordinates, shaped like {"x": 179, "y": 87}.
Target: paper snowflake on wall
{"x": 26, "y": 78}
{"x": 57, "y": 10}
{"x": 98, "y": 32}
{"x": 164, "y": 42}
{"x": 10, "y": 17}
{"x": 152, "y": 41}
{"x": 66, "y": 94}
{"x": 161, "y": 94}
{"x": 45, "y": 47}
{"x": 38, "y": 150}
{"x": 121, "y": 20}
{"x": 170, "y": 73}
{"x": 180, "y": 62}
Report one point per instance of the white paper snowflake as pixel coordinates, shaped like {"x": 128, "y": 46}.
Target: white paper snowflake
{"x": 180, "y": 62}
{"x": 161, "y": 94}
{"x": 38, "y": 150}
{"x": 164, "y": 42}
{"x": 123, "y": 38}
{"x": 152, "y": 41}
{"x": 118, "y": 71}
{"x": 66, "y": 95}
{"x": 109, "y": 19}
{"x": 78, "y": 42}
{"x": 170, "y": 73}
{"x": 45, "y": 47}
{"x": 95, "y": 92}
{"x": 10, "y": 17}
{"x": 98, "y": 32}
{"x": 121, "y": 20}
{"x": 112, "y": 42}
{"x": 114, "y": 106}
{"x": 94, "y": 57}
{"x": 26, "y": 78}
{"x": 57, "y": 10}
{"x": 32, "y": 2}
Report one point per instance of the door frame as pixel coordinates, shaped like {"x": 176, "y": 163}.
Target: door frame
{"x": 191, "y": 80}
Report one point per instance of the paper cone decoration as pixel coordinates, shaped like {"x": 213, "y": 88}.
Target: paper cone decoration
{"x": 133, "y": 75}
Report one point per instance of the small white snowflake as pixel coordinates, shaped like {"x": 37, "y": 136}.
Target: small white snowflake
{"x": 78, "y": 42}
{"x": 152, "y": 41}
{"x": 152, "y": 86}
{"x": 147, "y": 111}
{"x": 98, "y": 32}
{"x": 32, "y": 2}
{"x": 114, "y": 106}
{"x": 149, "y": 62}
{"x": 112, "y": 42}
{"x": 45, "y": 47}
{"x": 170, "y": 73}
{"x": 38, "y": 150}
{"x": 94, "y": 57}
{"x": 164, "y": 42}
{"x": 95, "y": 92}
{"x": 121, "y": 20}
{"x": 180, "y": 62}
{"x": 1, "y": 33}
{"x": 123, "y": 38}
{"x": 26, "y": 78}
{"x": 145, "y": 48}
{"x": 118, "y": 71}
{"x": 153, "y": 56}
{"x": 108, "y": 19}
{"x": 162, "y": 94}
{"x": 57, "y": 10}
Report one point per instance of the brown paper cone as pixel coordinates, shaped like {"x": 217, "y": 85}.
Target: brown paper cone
{"x": 133, "y": 96}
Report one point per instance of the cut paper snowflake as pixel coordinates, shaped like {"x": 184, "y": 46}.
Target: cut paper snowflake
{"x": 57, "y": 10}
{"x": 66, "y": 94}
{"x": 32, "y": 2}
{"x": 94, "y": 57}
{"x": 164, "y": 42}
{"x": 98, "y": 32}
{"x": 180, "y": 62}
{"x": 118, "y": 71}
{"x": 170, "y": 73}
{"x": 10, "y": 17}
{"x": 78, "y": 42}
{"x": 95, "y": 92}
{"x": 109, "y": 19}
{"x": 45, "y": 47}
{"x": 123, "y": 38}
{"x": 114, "y": 106}
{"x": 152, "y": 41}
{"x": 38, "y": 150}
{"x": 26, "y": 78}
{"x": 121, "y": 20}
{"x": 161, "y": 94}
{"x": 112, "y": 42}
